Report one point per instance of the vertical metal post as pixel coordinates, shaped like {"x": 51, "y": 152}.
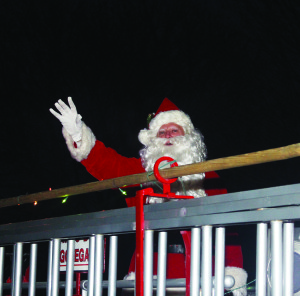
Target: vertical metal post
{"x": 162, "y": 264}
{"x": 195, "y": 262}
{"x": 32, "y": 269}
{"x": 112, "y": 272}
{"x": 17, "y": 283}
{"x": 91, "y": 275}
{"x": 99, "y": 253}
{"x": 13, "y": 273}
{"x": 50, "y": 260}
{"x": 139, "y": 254}
{"x": 219, "y": 261}
{"x": 55, "y": 267}
{"x": 261, "y": 259}
{"x": 70, "y": 268}
{"x": 269, "y": 290}
{"x": 288, "y": 259}
{"x": 206, "y": 267}
{"x": 276, "y": 262}
{"x": 78, "y": 285}
{"x": 2, "y": 252}
{"x": 148, "y": 266}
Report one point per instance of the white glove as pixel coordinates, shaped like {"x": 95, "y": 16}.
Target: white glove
{"x": 69, "y": 118}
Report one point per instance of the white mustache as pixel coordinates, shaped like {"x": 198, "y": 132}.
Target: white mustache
{"x": 173, "y": 141}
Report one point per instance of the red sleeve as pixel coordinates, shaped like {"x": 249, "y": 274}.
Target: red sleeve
{"x": 213, "y": 184}
{"x": 105, "y": 163}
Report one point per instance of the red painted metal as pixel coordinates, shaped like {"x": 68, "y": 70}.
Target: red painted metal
{"x": 139, "y": 202}
{"x": 77, "y": 284}
{"x": 139, "y": 259}
{"x": 166, "y": 182}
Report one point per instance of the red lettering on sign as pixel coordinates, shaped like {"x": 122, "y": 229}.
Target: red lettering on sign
{"x": 62, "y": 256}
{"x": 76, "y": 255}
{"x": 86, "y": 254}
{"x": 81, "y": 255}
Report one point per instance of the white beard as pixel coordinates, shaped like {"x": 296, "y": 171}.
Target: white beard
{"x": 184, "y": 150}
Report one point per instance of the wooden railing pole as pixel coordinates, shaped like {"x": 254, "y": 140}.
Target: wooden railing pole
{"x": 202, "y": 167}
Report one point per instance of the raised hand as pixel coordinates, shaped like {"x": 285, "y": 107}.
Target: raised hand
{"x": 69, "y": 118}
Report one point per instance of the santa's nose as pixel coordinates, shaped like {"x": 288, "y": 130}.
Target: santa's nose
{"x": 168, "y": 134}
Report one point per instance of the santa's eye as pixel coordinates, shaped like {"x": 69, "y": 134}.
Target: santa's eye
{"x": 174, "y": 131}
{"x": 161, "y": 132}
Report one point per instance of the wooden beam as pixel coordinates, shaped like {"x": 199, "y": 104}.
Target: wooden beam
{"x": 202, "y": 167}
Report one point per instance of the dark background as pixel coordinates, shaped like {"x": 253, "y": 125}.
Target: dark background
{"x": 233, "y": 66}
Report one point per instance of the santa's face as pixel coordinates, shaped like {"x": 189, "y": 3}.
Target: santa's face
{"x": 170, "y": 130}
{"x": 172, "y": 141}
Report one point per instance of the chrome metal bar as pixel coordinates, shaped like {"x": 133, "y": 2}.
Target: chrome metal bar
{"x": 195, "y": 262}
{"x": 18, "y": 269}
{"x": 162, "y": 263}
{"x": 228, "y": 282}
{"x": 219, "y": 262}
{"x": 206, "y": 266}
{"x": 13, "y": 271}
{"x": 269, "y": 290}
{"x": 91, "y": 275}
{"x": 70, "y": 267}
{"x": 99, "y": 261}
{"x": 112, "y": 272}
{"x": 148, "y": 263}
{"x": 49, "y": 276}
{"x": 261, "y": 259}
{"x": 173, "y": 283}
{"x": 55, "y": 267}
{"x": 2, "y": 253}
{"x": 276, "y": 260}
{"x": 38, "y": 285}
{"x": 288, "y": 259}
{"x": 32, "y": 269}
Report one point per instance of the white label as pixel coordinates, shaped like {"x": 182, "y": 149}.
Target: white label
{"x": 81, "y": 258}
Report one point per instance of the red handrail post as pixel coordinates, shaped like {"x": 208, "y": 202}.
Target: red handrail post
{"x": 139, "y": 269}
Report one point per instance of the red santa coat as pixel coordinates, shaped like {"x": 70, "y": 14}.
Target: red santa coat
{"x": 111, "y": 164}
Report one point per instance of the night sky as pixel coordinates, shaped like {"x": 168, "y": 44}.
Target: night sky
{"x": 233, "y": 66}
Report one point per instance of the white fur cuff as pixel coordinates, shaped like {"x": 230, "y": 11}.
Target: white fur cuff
{"x": 240, "y": 278}
{"x": 87, "y": 143}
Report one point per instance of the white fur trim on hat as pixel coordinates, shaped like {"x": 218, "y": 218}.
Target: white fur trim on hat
{"x": 87, "y": 143}
{"x": 176, "y": 116}
{"x": 240, "y": 277}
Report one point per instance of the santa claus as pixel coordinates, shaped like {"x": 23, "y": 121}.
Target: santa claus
{"x": 170, "y": 133}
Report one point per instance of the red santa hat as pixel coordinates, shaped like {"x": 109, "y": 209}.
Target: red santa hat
{"x": 166, "y": 113}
